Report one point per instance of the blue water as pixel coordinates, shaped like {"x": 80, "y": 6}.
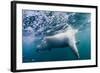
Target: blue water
{"x": 33, "y": 21}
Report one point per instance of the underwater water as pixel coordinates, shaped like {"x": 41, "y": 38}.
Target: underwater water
{"x": 39, "y": 24}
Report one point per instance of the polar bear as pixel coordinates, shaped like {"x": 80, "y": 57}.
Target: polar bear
{"x": 61, "y": 40}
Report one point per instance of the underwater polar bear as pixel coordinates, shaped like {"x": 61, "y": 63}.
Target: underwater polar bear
{"x": 61, "y": 40}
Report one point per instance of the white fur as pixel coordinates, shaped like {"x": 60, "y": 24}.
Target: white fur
{"x": 68, "y": 34}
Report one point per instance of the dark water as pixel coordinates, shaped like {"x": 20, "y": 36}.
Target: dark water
{"x": 30, "y": 42}
{"x": 57, "y": 54}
